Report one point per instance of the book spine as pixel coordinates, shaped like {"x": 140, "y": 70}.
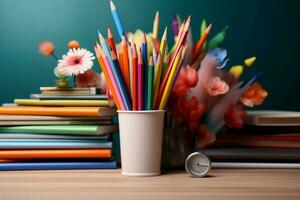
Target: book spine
{"x": 71, "y": 129}
{"x": 57, "y": 165}
{"x": 54, "y": 144}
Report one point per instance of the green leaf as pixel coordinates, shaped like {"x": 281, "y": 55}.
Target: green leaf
{"x": 218, "y": 40}
{"x": 202, "y": 30}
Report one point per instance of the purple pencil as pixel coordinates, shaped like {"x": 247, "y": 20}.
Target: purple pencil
{"x": 175, "y": 26}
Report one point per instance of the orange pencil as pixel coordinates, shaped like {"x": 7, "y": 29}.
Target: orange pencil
{"x": 200, "y": 43}
{"x": 121, "y": 60}
{"x": 125, "y": 62}
{"x": 111, "y": 40}
{"x": 134, "y": 78}
{"x": 107, "y": 78}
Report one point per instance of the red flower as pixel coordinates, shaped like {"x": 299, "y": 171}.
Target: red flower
{"x": 90, "y": 78}
{"x": 73, "y": 44}
{"x": 190, "y": 111}
{"x": 235, "y": 116}
{"x": 187, "y": 78}
{"x": 216, "y": 86}
{"x": 254, "y": 95}
{"x": 46, "y": 48}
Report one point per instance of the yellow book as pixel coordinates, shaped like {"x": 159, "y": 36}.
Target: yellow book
{"x": 74, "y": 103}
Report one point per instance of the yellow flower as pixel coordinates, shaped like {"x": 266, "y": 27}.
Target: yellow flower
{"x": 236, "y": 71}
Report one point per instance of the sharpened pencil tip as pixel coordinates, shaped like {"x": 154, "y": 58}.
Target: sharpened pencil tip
{"x": 112, "y": 5}
{"x": 208, "y": 28}
{"x": 151, "y": 61}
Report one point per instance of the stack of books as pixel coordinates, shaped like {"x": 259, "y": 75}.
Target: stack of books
{"x": 268, "y": 139}
{"x": 61, "y": 128}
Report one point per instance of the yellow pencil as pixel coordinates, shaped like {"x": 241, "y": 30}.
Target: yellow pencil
{"x": 157, "y": 75}
{"x": 155, "y": 25}
{"x": 163, "y": 45}
{"x": 170, "y": 80}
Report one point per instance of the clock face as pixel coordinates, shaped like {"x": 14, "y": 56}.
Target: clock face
{"x": 197, "y": 164}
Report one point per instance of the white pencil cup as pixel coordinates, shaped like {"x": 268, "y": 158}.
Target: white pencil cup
{"x": 141, "y": 134}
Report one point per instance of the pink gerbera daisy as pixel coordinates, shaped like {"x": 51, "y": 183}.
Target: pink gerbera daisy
{"x": 77, "y": 61}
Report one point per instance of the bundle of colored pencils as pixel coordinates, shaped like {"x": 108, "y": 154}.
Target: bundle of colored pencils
{"x": 138, "y": 79}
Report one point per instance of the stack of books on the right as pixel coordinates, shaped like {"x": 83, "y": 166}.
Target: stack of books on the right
{"x": 269, "y": 139}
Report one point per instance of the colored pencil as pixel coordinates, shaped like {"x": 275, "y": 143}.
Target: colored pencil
{"x": 134, "y": 78}
{"x": 117, "y": 19}
{"x": 140, "y": 82}
{"x": 121, "y": 61}
{"x": 155, "y": 25}
{"x": 197, "y": 48}
{"x": 181, "y": 39}
{"x": 150, "y": 84}
{"x": 129, "y": 50}
{"x": 157, "y": 76}
{"x": 126, "y": 74}
{"x": 113, "y": 78}
{"x": 163, "y": 44}
{"x": 145, "y": 69}
{"x": 154, "y": 55}
{"x": 107, "y": 77}
{"x": 183, "y": 54}
{"x": 111, "y": 40}
{"x": 171, "y": 78}
{"x": 119, "y": 74}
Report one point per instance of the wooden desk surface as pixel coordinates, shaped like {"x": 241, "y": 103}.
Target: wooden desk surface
{"x": 98, "y": 184}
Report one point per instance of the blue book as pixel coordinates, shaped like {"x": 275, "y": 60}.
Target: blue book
{"x": 57, "y": 165}
{"x": 54, "y": 144}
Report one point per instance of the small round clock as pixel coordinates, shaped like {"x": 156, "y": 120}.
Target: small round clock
{"x": 197, "y": 164}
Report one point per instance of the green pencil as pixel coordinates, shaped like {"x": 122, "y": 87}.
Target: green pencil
{"x": 150, "y": 85}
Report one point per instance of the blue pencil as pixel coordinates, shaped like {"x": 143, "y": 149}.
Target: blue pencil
{"x": 117, "y": 75}
{"x": 117, "y": 19}
{"x": 57, "y": 165}
{"x": 145, "y": 64}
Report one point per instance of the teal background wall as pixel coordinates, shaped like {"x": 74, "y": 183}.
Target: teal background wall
{"x": 267, "y": 29}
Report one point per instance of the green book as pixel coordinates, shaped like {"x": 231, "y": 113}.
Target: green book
{"x": 62, "y": 129}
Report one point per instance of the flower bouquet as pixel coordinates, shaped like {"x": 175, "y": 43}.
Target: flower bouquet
{"x": 207, "y": 94}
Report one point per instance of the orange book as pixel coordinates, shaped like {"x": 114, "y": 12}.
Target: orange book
{"x": 54, "y": 154}
{"x": 58, "y": 111}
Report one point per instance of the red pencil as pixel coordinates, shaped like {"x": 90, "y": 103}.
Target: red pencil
{"x": 121, "y": 61}
{"x": 140, "y": 81}
{"x": 180, "y": 41}
{"x": 111, "y": 40}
